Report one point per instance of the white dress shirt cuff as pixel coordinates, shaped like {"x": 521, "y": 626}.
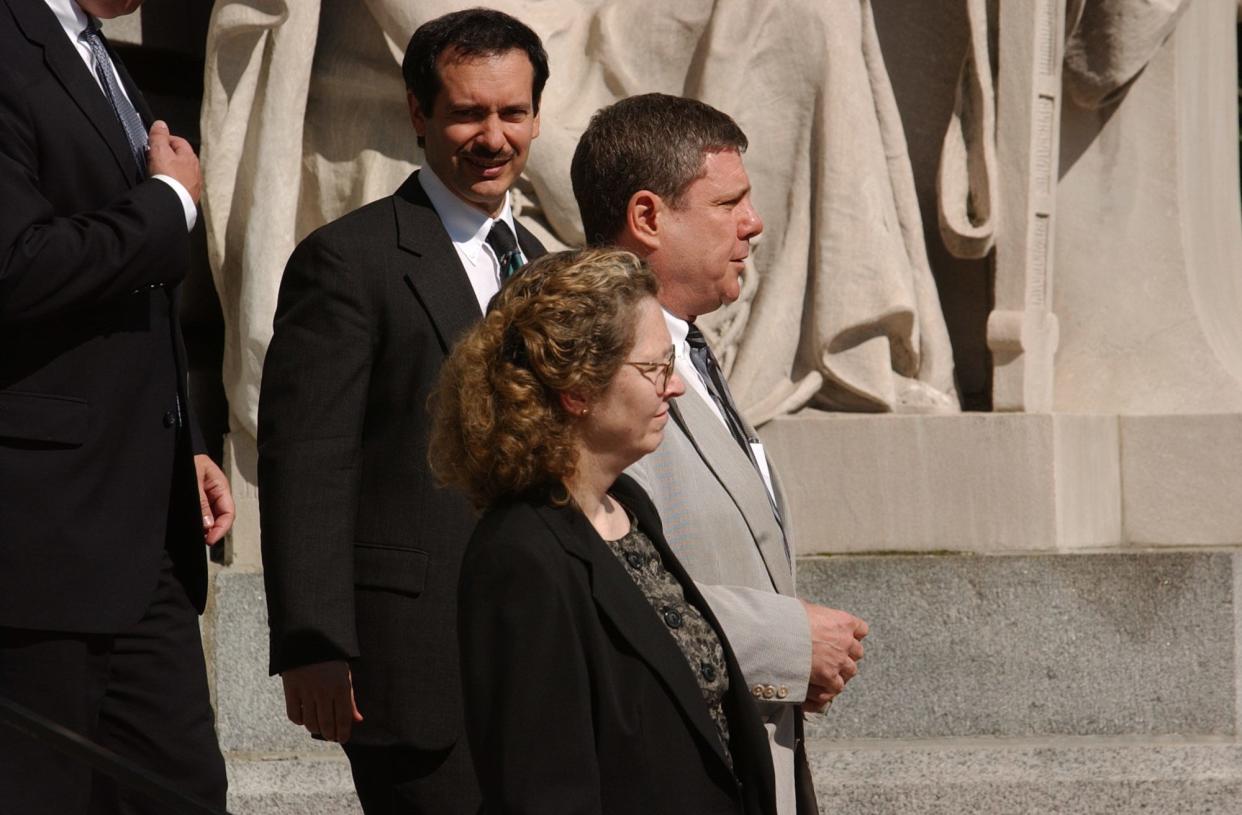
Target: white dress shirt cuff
{"x": 187, "y": 203}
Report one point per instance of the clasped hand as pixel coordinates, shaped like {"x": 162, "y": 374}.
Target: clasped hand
{"x": 836, "y": 649}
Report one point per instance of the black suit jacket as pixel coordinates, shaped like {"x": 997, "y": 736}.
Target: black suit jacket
{"x": 361, "y": 549}
{"x": 577, "y": 698}
{"x": 96, "y": 468}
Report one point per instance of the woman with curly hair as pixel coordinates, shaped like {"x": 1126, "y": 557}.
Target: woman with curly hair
{"x": 596, "y": 679}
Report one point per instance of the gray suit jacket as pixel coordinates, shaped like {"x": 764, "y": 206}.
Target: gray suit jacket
{"x": 719, "y": 522}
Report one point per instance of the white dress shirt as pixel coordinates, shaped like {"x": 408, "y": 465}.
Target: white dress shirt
{"x": 74, "y": 21}
{"x": 468, "y": 228}
{"x": 677, "y": 330}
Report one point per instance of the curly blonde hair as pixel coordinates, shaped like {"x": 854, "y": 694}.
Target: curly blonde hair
{"x": 564, "y": 323}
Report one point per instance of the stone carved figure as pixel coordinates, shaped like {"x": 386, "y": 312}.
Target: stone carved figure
{"x": 304, "y": 120}
{"x": 1107, "y": 44}
{"x": 1147, "y": 241}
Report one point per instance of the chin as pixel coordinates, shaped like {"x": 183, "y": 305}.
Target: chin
{"x": 490, "y": 192}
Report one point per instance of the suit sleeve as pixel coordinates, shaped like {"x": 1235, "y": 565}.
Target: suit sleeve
{"x": 52, "y": 262}
{"x": 525, "y": 680}
{"x": 311, "y": 408}
{"x": 769, "y": 632}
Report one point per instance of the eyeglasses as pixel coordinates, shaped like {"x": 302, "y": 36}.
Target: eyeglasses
{"x": 657, "y": 373}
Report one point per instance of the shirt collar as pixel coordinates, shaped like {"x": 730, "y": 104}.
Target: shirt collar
{"x": 71, "y": 18}
{"x": 466, "y": 225}
{"x": 677, "y": 330}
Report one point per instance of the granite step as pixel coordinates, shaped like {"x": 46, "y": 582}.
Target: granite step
{"x": 1109, "y": 644}
{"x": 290, "y": 785}
{"x": 1068, "y": 776}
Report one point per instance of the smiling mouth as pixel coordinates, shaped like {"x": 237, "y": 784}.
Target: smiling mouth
{"x": 488, "y": 163}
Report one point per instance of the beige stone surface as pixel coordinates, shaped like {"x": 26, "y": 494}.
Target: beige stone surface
{"x": 126, "y": 28}
{"x": 1182, "y": 477}
{"x": 304, "y": 119}
{"x": 973, "y": 482}
{"x": 241, "y": 460}
{"x": 1118, "y": 228}
{"x": 1149, "y": 235}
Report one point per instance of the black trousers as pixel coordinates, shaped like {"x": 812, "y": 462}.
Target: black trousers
{"x": 402, "y": 780}
{"x": 141, "y": 693}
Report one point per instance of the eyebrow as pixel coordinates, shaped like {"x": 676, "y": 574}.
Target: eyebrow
{"x": 727, "y": 197}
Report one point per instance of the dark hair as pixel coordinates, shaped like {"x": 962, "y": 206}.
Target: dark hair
{"x": 650, "y": 142}
{"x": 565, "y": 322}
{"x": 474, "y": 32}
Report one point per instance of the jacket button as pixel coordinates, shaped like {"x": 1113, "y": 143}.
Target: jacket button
{"x": 769, "y": 692}
{"x": 634, "y": 559}
{"x": 757, "y": 691}
{"x": 707, "y": 671}
{"x": 170, "y": 418}
{"x": 672, "y": 618}
{"x": 782, "y": 692}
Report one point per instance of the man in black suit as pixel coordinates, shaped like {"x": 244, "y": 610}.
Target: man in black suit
{"x": 102, "y": 568}
{"x": 361, "y": 550}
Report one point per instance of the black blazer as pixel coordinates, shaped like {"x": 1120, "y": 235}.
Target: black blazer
{"x": 96, "y": 465}
{"x": 361, "y": 549}
{"x": 577, "y": 698}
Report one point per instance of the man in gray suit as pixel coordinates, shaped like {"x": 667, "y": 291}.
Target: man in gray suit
{"x": 663, "y": 177}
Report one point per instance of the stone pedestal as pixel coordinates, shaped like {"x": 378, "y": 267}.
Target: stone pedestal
{"x": 1008, "y": 482}
{"x": 973, "y": 482}
{"x": 1182, "y": 478}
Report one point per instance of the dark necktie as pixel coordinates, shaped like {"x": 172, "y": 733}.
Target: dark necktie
{"x": 704, "y": 362}
{"x": 505, "y": 246}
{"x": 125, "y": 112}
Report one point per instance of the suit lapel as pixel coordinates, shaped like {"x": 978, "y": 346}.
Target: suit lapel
{"x": 436, "y": 277}
{"x": 40, "y": 26}
{"x": 623, "y": 604}
{"x": 528, "y": 243}
{"x": 736, "y": 474}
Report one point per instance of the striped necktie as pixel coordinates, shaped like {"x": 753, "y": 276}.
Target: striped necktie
{"x": 506, "y": 248}
{"x": 125, "y": 111}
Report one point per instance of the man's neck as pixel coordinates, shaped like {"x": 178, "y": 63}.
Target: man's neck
{"x": 70, "y": 16}
{"x": 461, "y": 218}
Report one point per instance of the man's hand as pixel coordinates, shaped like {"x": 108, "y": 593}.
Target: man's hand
{"x": 215, "y": 499}
{"x": 173, "y": 156}
{"x": 836, "y": 648}
{"x": 321, "y": 698}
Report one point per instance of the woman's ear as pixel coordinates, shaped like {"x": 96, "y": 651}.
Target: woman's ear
{"x": 574, "y": 403}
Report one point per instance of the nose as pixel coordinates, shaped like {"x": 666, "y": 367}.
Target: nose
{"x": 750, "y": 224}
{"x": 675, "y": 386}
{"x": 492, "y": 134}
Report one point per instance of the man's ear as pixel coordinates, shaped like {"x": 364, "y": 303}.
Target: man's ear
{"x": 574, "y": 403}
{"x": 643, "y": 219}
{"x": 416, "y": 115}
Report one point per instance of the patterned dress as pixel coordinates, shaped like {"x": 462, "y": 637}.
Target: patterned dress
{"x": 693, "y": 634}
